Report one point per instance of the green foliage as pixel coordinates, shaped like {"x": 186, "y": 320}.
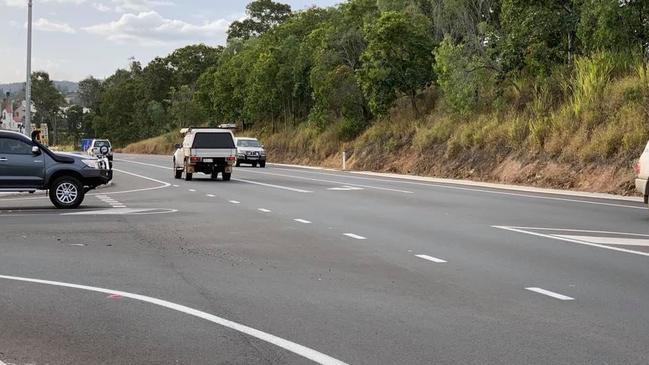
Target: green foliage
{"x": 397, "y": 60}
{"x": 262, "y": 16}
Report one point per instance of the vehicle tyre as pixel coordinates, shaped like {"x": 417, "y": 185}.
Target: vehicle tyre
{"x": 254, "y": 164}
{"x": 227, "y": 176}
{"x": 178, "y": 174}
{"x": 215, "y": 175}
{"x": 238, "y": 164}
{"x": 188, "y": 176}
{"x": 67, "y": 192}
{"x": 262, "y": 164}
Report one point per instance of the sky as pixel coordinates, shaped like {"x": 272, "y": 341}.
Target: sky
{"x": 73, "y": 39}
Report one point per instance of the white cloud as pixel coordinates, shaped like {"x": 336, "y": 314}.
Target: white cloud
{"x": 101, "y": 7}
{"x": 23, "y": 3}
{"x": 150, "y": 28}
{"x": 124, "y": 6}
{"x": 45, "y": 25}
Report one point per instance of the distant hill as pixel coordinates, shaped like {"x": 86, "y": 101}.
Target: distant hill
{"x": 66, "y": 87}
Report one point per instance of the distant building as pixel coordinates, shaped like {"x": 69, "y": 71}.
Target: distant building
{"x": 11, "y": 116}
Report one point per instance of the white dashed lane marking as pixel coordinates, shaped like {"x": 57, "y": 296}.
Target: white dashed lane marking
{"x": 211, "y": 195}
{"x": 550, "y": 293}
{"x": 264, "y": 210}
{"x": 431, "y": 258}
{"x": 299, "y": 220}
{"x": 355, "y": 236}
{"x": 192, "y": 190}
{"x": 235, "y": 202}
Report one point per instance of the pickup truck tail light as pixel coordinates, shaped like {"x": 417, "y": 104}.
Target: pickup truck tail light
{"x": 636, "y": 168}
{"x": 194, "y": 159}
{"x": 231, "y": 158}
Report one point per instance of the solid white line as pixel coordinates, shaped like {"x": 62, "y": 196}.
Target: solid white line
{"x": 293, "y": 347}
{"x": 119, "y": 206}
{"x": 579, "y": 230}
{"x": 550, "y": 294}
{"x": 431, "y": 258}
{"x": 450, "y": 185}
{"x": 263, "y": 210}
{"x": 235, "y": 202}
{"x": 302, "y": 221}
{"x": 332, "y": 182}
{"x": 241, "y": 180}
{"x": 517, "y": 229}
{"x": 162, "y": 186}
{"x": 211, "y": 195}
{"x": 355, "y": 236}
{"x": 273, "y": 186}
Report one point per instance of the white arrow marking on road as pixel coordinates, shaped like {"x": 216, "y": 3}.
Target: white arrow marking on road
{"x": 293, "y": 347}
{"x": 431, "y": 258}
{"x": 355, "y": 236}
{"x": 550, "y": 294}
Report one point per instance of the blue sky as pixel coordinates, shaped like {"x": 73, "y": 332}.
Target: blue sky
{"x": 76, "y": 38}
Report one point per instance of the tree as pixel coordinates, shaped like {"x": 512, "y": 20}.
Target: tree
{"x": 47, "y": 100}
{"x": 90, "y": 90}
{"x": 537, "y": 35}
{"x": 397, "y": 60}
{"x": 262, "y": 16}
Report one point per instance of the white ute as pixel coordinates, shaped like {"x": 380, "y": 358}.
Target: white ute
{"x": 207, "y": 150}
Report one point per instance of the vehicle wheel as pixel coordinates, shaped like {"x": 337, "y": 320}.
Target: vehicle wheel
{"x": 178, "y": 174}
{"x": 215, "y": 175}
{"x": 254, "y": 164}
{"x": 188, "y": 176}
{"x": 227, "y": 176}
{"x": 262, "y": 164}
{"x": 238, "y": 164}
{"x": 67, "y": 193}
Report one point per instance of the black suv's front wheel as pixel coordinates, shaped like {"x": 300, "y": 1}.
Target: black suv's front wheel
{"x": 66, "y": 193}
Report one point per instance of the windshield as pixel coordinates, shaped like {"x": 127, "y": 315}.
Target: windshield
{"x": 102, "y": 143}
{"x": 248, "y": 143}
{"x": 213, "y": 140}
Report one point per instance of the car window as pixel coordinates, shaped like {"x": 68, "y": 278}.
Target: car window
{"x": 12, "y": 146}
{"x": 102, "y": 143}
{"x": 248, "y": 143}
{"x": 213, "y": 140}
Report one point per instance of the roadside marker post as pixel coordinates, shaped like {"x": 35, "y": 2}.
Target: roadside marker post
{"x": 344, "y": 160}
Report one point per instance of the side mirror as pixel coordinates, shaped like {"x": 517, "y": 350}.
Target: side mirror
{"x": 178, "y": 145}
{"x": 36, "y": 150}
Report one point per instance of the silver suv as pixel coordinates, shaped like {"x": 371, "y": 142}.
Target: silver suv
{"x": 249, "y": 150}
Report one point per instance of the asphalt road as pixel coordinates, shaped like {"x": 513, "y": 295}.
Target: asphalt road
{"x": 298, "y": 266}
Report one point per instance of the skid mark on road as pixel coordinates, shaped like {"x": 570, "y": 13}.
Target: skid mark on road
{"x": 293, "y": 347}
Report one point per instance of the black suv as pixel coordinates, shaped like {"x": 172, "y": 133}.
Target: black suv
{"x": 26, "y": 166}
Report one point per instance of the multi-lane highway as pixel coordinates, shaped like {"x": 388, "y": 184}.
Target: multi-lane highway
{"x": 289, "y": 266}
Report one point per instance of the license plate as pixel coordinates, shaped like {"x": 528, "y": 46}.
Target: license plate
{"x": 252, "y": 157}
{"x": 208, "y": 160}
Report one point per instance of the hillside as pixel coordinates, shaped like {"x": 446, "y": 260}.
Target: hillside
{"x": 18, "y": 87}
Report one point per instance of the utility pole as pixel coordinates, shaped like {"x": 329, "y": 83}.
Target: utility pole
{"x": 28, "y": 83}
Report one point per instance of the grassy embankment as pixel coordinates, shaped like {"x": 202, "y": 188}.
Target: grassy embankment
{"x": 582, "y": 134}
